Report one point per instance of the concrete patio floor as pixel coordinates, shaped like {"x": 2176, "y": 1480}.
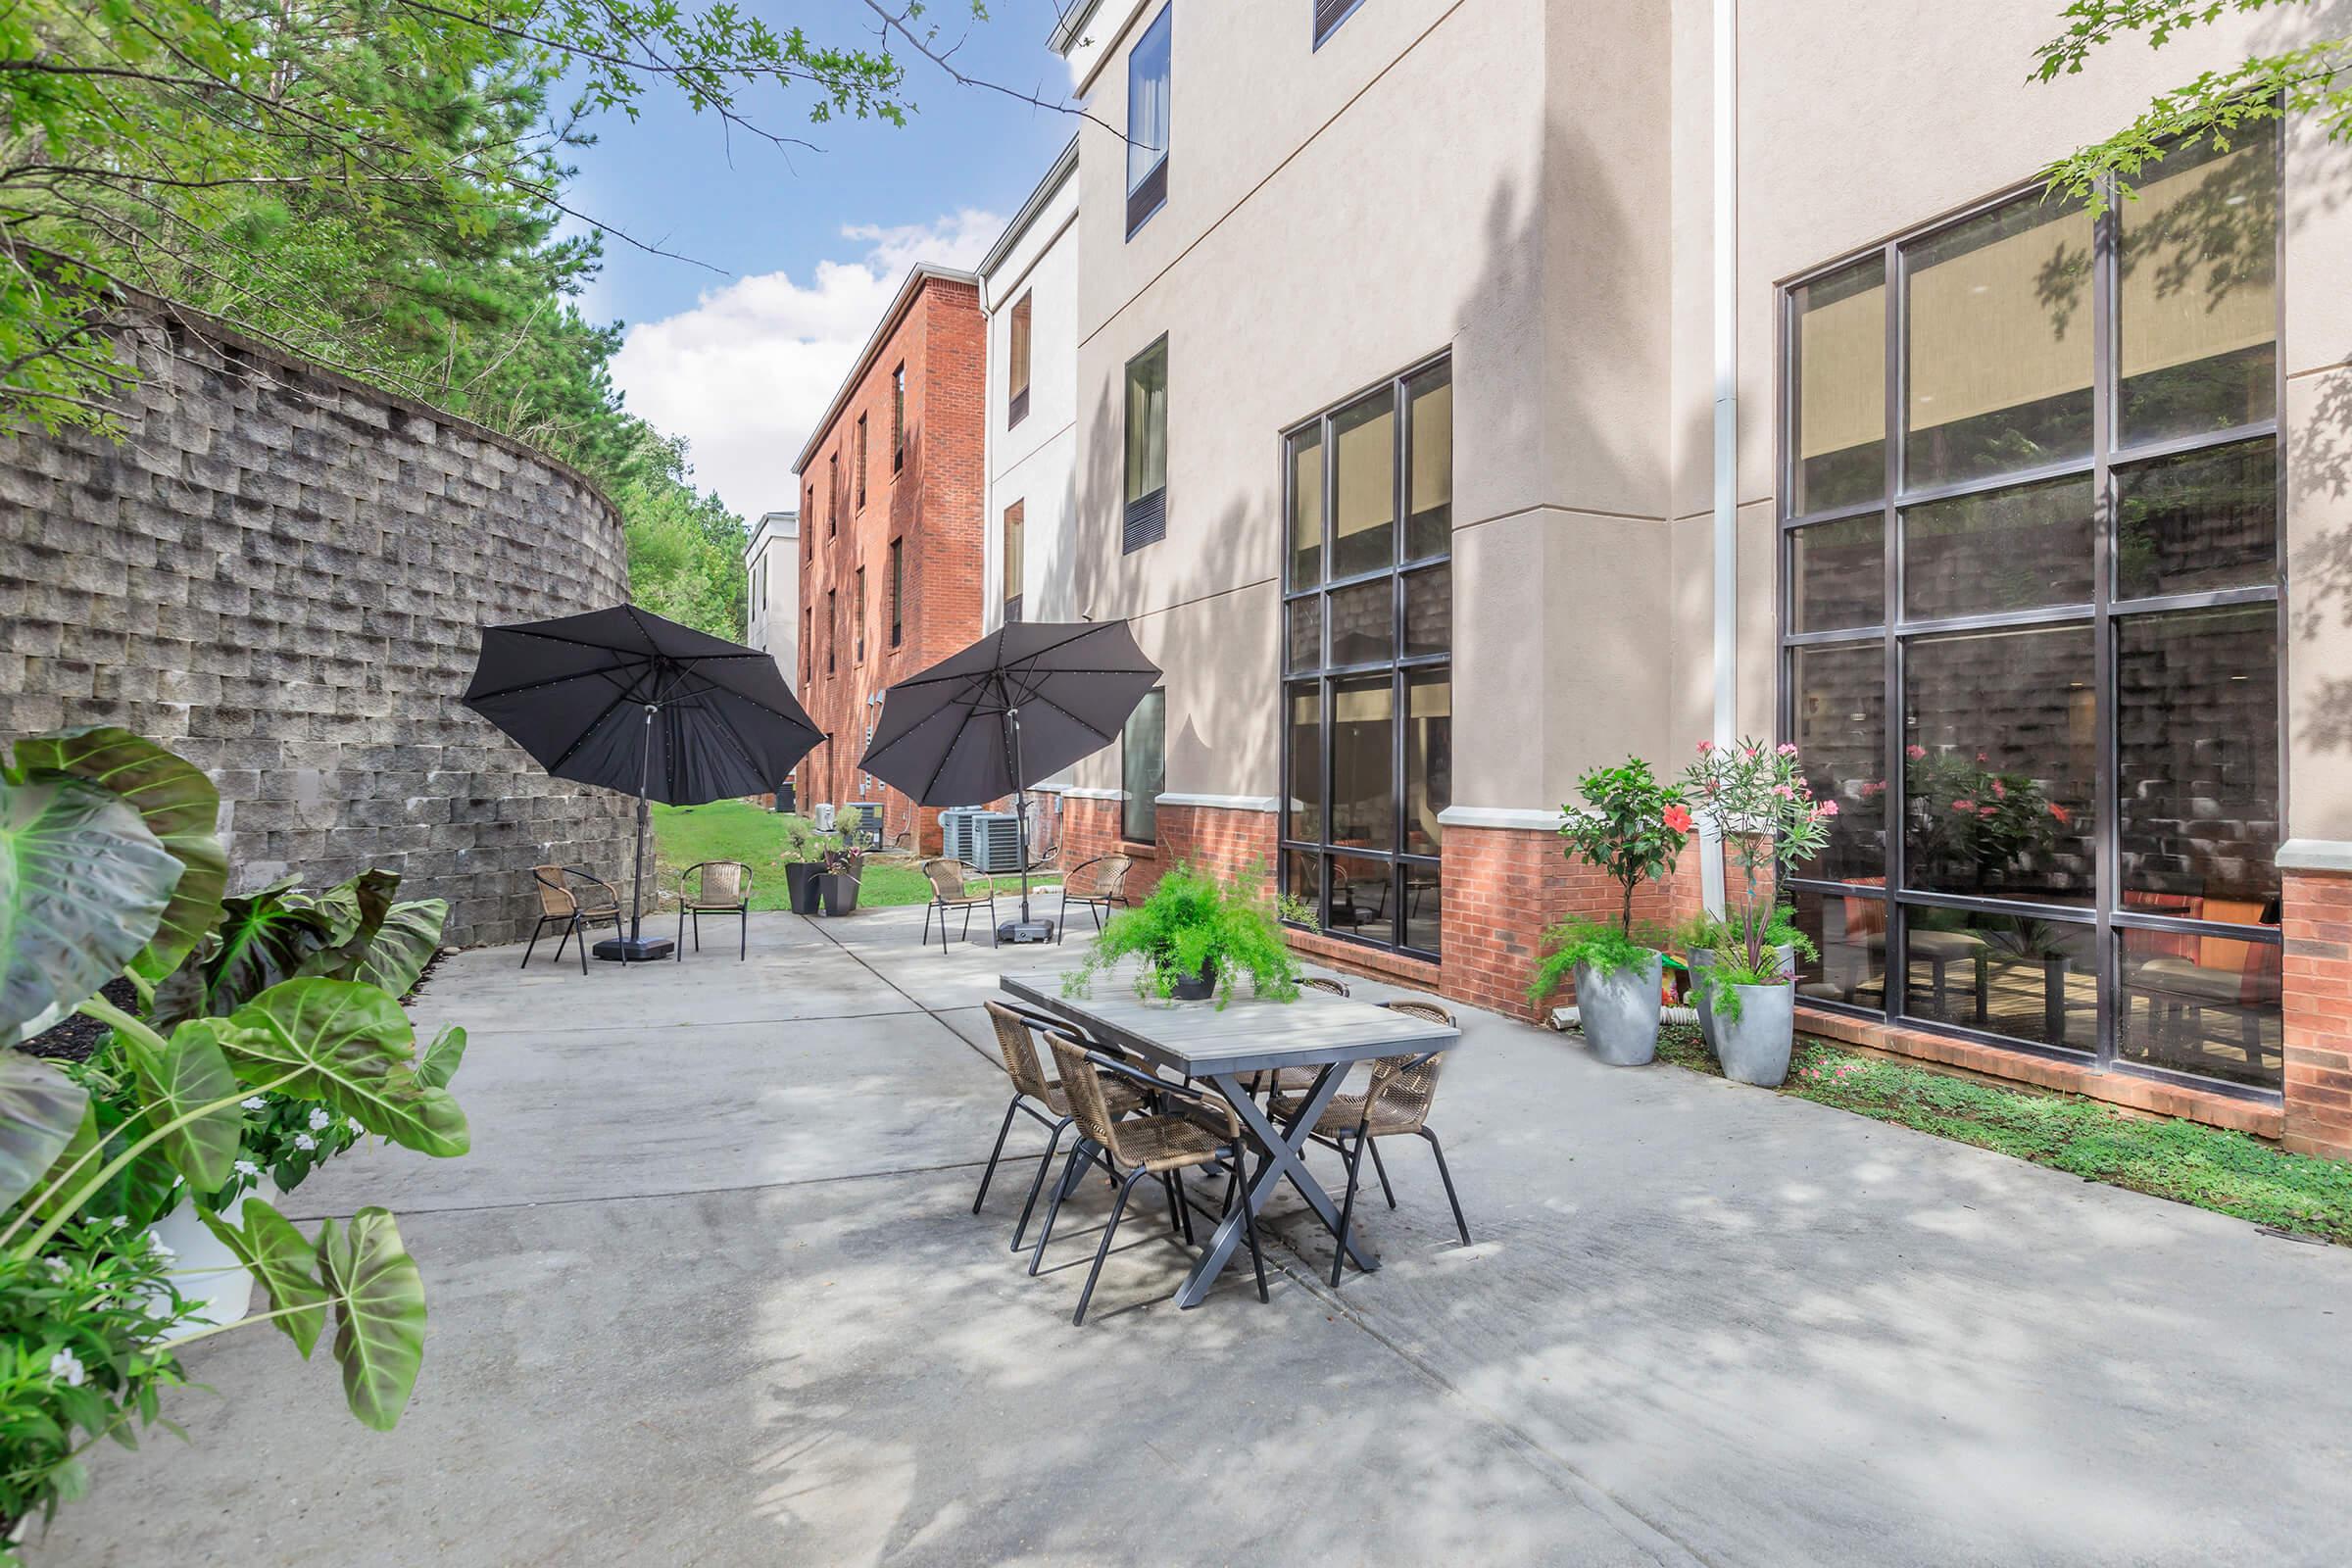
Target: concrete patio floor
{"x": 709, "y": 1290}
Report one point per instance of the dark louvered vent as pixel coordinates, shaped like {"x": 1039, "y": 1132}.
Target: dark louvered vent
{"x": 1147, "y": 522}
{"x": 1329, "y": 14}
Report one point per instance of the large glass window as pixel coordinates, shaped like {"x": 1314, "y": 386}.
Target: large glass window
{"x": 1147, "y": 447}
{"x": 1143, "y": 766}
{"x": 1016, "y": 363}
{"x": 1367, "y": 644}
{"x": 1150, "y": 76}
{"x": 2034, "y": 652}
{"x": 1014, "y": 565}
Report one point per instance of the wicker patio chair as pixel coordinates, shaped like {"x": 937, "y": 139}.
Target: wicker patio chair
{"x": 1016, "y": 1043}
{"x": 1394, "y": 1105}
{"x": 716, "y": 886}
{"x": 950, "y": 892}
{"x": 572, "y": 899}
{"x": 1158, "y": 1144}
{"x": 1295, "y": 1080}
{"x": 1097, "y": 885}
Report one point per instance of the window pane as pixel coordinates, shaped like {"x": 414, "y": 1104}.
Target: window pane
{"x": 2007, "y": 549}
{"x": 2205, "y": 1004}
{"x": 1307, "y": 507}
{"x": 1306, "y": 742}
{"x": 1429, "y": 527}
{"x": 1362, "y": 898}
{"x": 2002, "y": 732}
{"x": 1364, "y": 437}
{"x": 1148, "y": 82}
{"x": 2198, "y": 759}
{"x": 2197, "y": 311}
{"x": 1424, "y": 905}
{"x": 1840, "y": 735}
{"x": 1363, "y": 763}
{"x": 1303, "y": 639}
{"x": 2028, "y": 979}
{"x": 2201, "y": 520}
{"x": 1143, "y": 771}
{"x": 1014, "y": 567}
{"x": 1838, "y": 574}
{"x": 1428, "y": 757}
{"x": 1429, "y": 611}
{"x": 1017, "y": 371}
{"x": 1999, "y": 352}
{"x": 1303, "y": 874}
{"x": 1363, "y": 623}
{"x": 1850, "y": 930}
{"x": 1839, "y": 345}
{"x": 1148, "y": 423}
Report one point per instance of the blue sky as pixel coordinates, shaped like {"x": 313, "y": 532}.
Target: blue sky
{"x": 812, "y": 244}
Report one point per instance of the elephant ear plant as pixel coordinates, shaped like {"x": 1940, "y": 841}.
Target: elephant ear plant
{"x": 108, "y": 867}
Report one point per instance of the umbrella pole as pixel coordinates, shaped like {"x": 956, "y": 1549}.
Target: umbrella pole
{"x": 634, "y": 947}
{"x": 1025, "y": 929}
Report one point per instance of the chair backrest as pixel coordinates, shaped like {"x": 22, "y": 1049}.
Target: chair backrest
{"x": 596, "y": 895}
{"x": 1084, "y": 1088}
{"x": 555, "y": 899}
{"x": 1315, "y": 982}
{"x": 1018, "y": 1046}
{"x": 1100, "y": 877}
{"x": 947, "y": 879}
{"x": 1404, "y": 1086}
{"x": 718, "y": 882}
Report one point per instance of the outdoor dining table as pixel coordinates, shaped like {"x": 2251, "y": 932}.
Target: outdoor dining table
{"x": 1221, "y": 1047}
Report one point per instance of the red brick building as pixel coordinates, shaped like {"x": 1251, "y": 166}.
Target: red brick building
{"x": 892, "y": 492}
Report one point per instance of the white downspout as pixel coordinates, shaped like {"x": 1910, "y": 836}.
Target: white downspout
{"x": 1727, "y": 413}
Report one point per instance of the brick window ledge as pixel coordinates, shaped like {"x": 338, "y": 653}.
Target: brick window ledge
{"x": 1379, "y": 964}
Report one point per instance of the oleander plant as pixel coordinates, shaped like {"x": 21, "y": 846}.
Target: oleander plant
{"x": 259, "y": 1022}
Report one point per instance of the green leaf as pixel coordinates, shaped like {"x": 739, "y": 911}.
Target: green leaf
{"x": 188, "y": 1073}
{"x": 404, "y": 945}
{"x": 439, "y": 1064}
{"x": 179, "y": 807}
{"x": 378, "y": 1297}
{"x": 279, "y": 1257}
{"x": 82, "y": 884}
{"x": 264, "y": 938}
{"x": 40, "y": 1111}
{"x": 348, "y": 1045}
{"x": 354, "y": 911}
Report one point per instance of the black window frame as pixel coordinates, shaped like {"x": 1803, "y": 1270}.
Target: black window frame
{"x": 1148, "y": 193}
{"x": 2104, "y": 615}
{"x": 1324, "y": 675}
{"x": 1144, "y": 521}
{"x": 833, "y": 493}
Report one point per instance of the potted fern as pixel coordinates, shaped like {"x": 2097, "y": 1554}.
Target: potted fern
{"x": 1631, "y": 827}
{"x": 1197, "y": 937}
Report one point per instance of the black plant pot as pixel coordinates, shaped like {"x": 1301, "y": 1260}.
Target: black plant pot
{"x": 840, "y": 892}
{"x": 1197, "y": 987}
{"x": 800, "y": 886}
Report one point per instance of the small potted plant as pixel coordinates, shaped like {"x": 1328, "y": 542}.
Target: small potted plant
{"x": 839, "y": 869}
{"x": 1197, "y": 936}
{"x": 803, "y": 855}
{"x": 1757, "y": 798}
{"x": 1703, "y": 937}
{"x": 1631, "y": 827}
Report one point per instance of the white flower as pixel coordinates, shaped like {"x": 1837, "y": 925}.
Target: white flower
{"x": 257, "y": 1103}
{"x": 57, "y": 1267}
{"x": 320, "y": 1119}
{"x": 353, "y": 1122}
{"x": 162, "y": 1249}
{"x": 66, "y": 1368}
{"x": 246, "y": 1167}
{"x": 118, "y": 1222}
{"x": 305, "y": 1141}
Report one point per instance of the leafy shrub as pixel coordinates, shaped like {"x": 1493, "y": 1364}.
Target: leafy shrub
{"x": 1191, "y": 922}
{"x": 1631, "y": 827}
{"x": 1608, "y": 949}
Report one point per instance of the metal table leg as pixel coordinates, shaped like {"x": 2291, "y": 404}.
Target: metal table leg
{"x": 1282, "y": 1160}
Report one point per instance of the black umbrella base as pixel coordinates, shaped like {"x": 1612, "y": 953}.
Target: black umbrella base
{"x": 1020, "y": 931}
{"x": 635, "y": 949}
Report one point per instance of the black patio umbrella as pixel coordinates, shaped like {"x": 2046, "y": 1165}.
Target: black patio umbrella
{"x": 1018, "y": 704}
{"x": 626, "y": 700}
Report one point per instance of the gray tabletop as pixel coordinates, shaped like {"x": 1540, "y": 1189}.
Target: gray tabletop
{"x": 1197, "y": 1040}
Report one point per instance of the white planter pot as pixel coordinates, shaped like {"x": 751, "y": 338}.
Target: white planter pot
{"x": 207, "y": 1273}
{"x": 1619, "y": 1012}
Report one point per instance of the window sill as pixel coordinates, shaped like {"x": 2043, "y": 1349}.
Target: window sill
{"x": 1136, "y": 849}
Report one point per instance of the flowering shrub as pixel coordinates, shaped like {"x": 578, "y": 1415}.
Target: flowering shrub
{"x": 1631, "y": 827}
{"x": 1970, "y": 822}
{"x": 1756, "y": 798}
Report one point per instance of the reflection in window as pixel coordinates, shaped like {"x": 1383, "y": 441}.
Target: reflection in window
{"x": 2198, "y": 756}
{"x": 1303, "y": 641}
{"x": 1360, "y": 897}
{"x": 1429, "y": 494}
{"x": 1305, "y": 708}
{"x": 1850, "y": 930}
{"x": 1363, "y": 777}
{"x": 1999, "y": 352}
{"x": 2031, "y": 979}
{"x": 1838, "y": 574}
{"x": 1363, "y": 623}
{"x": 1839, "y": 697}
{"x": 1143, "y": 766}
{"x": 1364, "y": 512}
{"x": 2000, "y": 550}
{"x": 1428, "y": 757}
{"x": 1146, "y": 449}
{"x": 2201, "y": 520}
{"x": 2002, "y": 769}
{"x": 1839, "y": 347}
{"x": 1307, "y": 507}
{"x": 2197, "y": 310}
{"x": 1429, "y": 611}
{"x": 1150, "y": 80}
{"x": 2207, "y": 1005}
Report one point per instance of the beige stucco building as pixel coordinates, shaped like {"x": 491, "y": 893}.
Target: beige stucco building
{"x": 1429, "y": 353}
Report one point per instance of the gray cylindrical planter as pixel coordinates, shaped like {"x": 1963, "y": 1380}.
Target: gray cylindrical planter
{"x": 1702, "y": 960}
{"x": 1753, "y": 1048}
{"x": 1619, "y": 1012}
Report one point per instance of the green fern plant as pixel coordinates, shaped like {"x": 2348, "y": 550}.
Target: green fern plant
{"x": 1192, "y": 923}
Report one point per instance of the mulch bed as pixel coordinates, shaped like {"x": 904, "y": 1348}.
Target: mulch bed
{"x": 75, "y": 1038}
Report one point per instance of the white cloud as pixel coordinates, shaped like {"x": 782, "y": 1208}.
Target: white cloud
{"x": 746, "y": 374}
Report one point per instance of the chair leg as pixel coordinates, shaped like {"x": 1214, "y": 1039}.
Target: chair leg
{"x": 1118, "y": 1205}
{"x": 1045, "y": 1163}
{"x": 743, "y": 933}
{"x": 1062, "y": 924}
{"x": 1053, "y": 1209}
{"x": 1381, "y": 1171}
{"x": 581, "y": 931}
{"x": 681, "y": 944}
{"x": 540, "y": 926}
{"x": 989, "y": 1174}
{"x": 1446, "y": 1176}
{"x": 1168, "y": 1182}
{"x": 698, "y": 930}
{"x": 1338, "y": 1259}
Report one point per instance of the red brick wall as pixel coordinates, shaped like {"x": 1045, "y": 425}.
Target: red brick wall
{"x": 1504, "y": 887}
{"x": 2317, "y": 922}
{"x": 935, "y": 505}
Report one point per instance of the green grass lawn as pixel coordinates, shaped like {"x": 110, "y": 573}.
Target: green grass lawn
{"x": 765, "y": 841}
{"x": 2208, "y": 1166}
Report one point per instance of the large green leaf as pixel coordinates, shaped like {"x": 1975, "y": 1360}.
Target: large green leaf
{"x": 378, "y": 1297}
{"x": 71, "y": 1172}
{"x": 82, "y": 884}
{"x": 404, "y": 945}
{"x": 281, "y": 1259}
{"x": 439, "y": 1064}
{"x": 189, "y": 1073}
{"x": 350, "y": 1046}
{"x": 179, "y": 807}
{"x": 355, "y": 910}
{"x": 264, "y": 938}
{"x": 39, "y": 1109}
